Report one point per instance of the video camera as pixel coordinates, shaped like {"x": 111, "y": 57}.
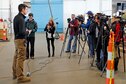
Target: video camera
{"x": 68, "y": 20}
{"x": 103, "y": 18}
{"x": 80, "y": 18}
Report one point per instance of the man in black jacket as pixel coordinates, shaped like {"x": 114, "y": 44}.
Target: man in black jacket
{"x": 20, "y": 49}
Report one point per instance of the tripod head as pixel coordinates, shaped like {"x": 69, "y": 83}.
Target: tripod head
{"x": 57, "y": 23}
{"x": 68, "y": 20}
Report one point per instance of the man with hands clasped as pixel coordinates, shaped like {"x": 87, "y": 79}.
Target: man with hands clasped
{"x": 31, "y": 26}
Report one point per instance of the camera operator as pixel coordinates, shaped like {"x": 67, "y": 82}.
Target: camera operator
{"x": 82, "y": 28}
{"x": 86, "y": 26}
{"x": 102, "y": 42}
{"x": 116, "y": 28}
{"x": 73, "y": 32}
{"x": 99, "y": 35}
{"x": 93, "y": 32}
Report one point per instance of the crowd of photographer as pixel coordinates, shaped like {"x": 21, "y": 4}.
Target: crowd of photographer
{"x": 96, "y": 32}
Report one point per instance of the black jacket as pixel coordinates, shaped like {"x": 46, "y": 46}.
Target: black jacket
{"x": 103, "y": 37}
{"x": 49, "y": 31}
{"x": 92, "y": 29}
{"x": 19, "y": 26}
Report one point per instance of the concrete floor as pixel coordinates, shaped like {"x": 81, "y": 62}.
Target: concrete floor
{"x": 54, "y": 70}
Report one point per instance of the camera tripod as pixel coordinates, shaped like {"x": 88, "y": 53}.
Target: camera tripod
{"x": 64, "y": 42}
{"x": 85, "y": 40}
{"x": 56, "y": 33}
{"x": 79, "y": 44}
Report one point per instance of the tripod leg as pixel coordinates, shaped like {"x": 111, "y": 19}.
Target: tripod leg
{"x": 103, "y": 69}
{"x": 62, "y": 49}
{"x": 70, "y": 55}
{"x": 78, "y": 45}
{"x": 64, "y": 43}
{"x": 80, "y": 57}
{"x": 123, "y": 55}
{"x": 82, "y": 52}
{"x": 88, "y": 53}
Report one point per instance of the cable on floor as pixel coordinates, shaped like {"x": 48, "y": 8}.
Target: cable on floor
{"x": 42, "y": 64}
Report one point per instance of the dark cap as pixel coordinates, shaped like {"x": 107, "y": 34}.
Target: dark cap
{"x": 30, "y": 14}
{"x": 89, "y": 13}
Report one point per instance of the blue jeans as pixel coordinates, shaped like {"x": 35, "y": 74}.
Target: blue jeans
{"x": 74, "y": 46}
{"x": 91, "y": 45}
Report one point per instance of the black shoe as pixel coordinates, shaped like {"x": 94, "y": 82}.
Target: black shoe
{"x": 119, "y": 57}
{"x": 74, "y": 51}
{"x": 116, "y": 61}
{"x": 48, "y": 55}
{"x": 67, "y": 51}
{"x": 52, "y": 55}
{"x": 27, "y": 58}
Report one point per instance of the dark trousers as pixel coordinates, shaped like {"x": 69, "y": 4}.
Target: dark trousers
{"x": 91, "y": 43}
{"x": 48, "y": 46}
{"x": 31, "y": 41}
{"x": 105, "y": 54}
{"x": 98, "y": 51}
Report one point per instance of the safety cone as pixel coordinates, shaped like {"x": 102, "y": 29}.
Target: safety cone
{"x": 4, "y": 33}
{"x": 1, "y": 20}
{"x": 62, "y": 37}
{"x": 110, "y": 61}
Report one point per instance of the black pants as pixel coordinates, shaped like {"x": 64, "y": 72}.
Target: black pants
{"x": 30, "y": 40}
{"x": 105, "y": 54}
{"x": 48, "y": 46}
{"x": 98, "y": 51}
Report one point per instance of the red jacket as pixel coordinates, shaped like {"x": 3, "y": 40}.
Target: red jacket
{"x": 74, "y": 28}
{"x": 117, "y": 32}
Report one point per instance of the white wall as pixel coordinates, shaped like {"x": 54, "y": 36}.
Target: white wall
{"x": 5, "y": 5}
{"x": 107, "y": 7}
{"x": 73, "y": 7}
{"x": 14, "y": 4}
{"x": 70, "y": 7}
{"x": 82, "y": 6}
{"x": 5, "y": 14}
{"x": 4, "y": 8}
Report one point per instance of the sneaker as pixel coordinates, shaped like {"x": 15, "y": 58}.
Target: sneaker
{"x": 67, "y": 51}
{"x": 23, "y": 79}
